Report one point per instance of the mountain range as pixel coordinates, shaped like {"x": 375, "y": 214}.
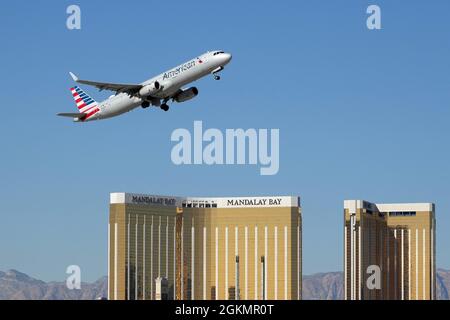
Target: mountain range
{"x": 15, "y": 285}
{"x": 330, "y": 286}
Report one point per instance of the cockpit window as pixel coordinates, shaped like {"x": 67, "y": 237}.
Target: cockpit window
{"x": 218, "y": 52}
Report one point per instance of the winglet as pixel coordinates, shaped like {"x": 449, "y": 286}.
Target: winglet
{"x": 74, "y": 77}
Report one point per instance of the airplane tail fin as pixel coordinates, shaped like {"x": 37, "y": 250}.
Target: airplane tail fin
{"x": 84, "y": 102}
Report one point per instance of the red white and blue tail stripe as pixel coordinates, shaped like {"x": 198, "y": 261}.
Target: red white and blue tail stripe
{"x": 85, "y": 103}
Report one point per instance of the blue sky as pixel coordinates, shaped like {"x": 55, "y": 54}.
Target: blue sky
{"x": 362, "y": 114}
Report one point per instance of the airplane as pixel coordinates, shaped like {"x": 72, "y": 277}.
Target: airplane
{"x": 157, "y": 91}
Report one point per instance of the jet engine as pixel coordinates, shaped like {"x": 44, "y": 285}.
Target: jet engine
{"x": 150, "y": 89}
{"x": 186, "y": 95}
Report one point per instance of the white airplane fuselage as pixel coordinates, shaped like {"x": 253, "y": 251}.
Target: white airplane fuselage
{"x": 170, "y": 81}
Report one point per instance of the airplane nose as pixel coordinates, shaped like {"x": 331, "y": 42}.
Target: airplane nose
{"x": 227, "y": 57}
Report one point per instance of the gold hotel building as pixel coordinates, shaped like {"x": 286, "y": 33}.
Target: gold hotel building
{"x": 397, "y": 238}
{"x": 206, "y": 248}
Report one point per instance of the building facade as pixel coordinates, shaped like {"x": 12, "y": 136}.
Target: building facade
{"x": 389, "y": 251}
{"x": 207, "y": 248}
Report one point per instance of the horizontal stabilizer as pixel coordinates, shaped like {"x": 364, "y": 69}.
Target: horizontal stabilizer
{"x": 72, "y": 115}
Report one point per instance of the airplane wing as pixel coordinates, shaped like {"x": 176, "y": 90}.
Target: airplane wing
{"x": 117, "y": 87}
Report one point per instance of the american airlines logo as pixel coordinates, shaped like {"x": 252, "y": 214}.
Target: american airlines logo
{"x": 153, "y": 200}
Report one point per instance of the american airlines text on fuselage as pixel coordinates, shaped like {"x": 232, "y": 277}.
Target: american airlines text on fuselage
{"x": 184, "y": 67}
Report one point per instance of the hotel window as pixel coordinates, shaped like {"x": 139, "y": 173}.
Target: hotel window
{"x": 402, "y": 213}
{"x": 232, "y": 293}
